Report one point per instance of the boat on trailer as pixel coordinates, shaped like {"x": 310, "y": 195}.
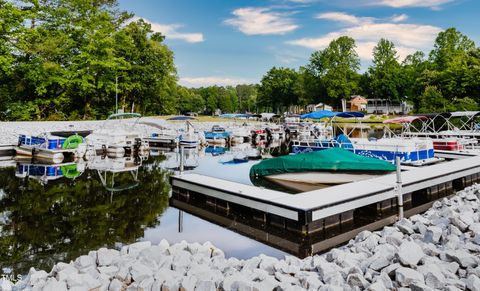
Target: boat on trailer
{"x": 316, "y": 170}
{"x": 55, "y": 146}
{"x": 412, "y": 151}
{"x": 118, "y": 135}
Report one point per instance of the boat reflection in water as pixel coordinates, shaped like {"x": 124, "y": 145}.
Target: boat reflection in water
{"x": 53, "y": 214}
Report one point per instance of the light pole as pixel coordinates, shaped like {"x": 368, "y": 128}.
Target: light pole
{"x": 116, "y": 92}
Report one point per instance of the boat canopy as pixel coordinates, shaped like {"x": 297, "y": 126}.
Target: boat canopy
{"x": 329, "y": 114}
{"x": 334, "y": 159}
{"x": 464, "y": 113}
{"x": 404, "y": 119}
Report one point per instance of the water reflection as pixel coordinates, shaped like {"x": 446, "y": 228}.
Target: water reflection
{"x": 51, "y": 213}
{"x": 48, "y": 220}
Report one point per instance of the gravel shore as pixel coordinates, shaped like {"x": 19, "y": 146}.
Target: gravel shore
{"x": 438, "y": 250}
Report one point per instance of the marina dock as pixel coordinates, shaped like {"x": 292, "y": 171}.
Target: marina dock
{"x": 315, "y": 211}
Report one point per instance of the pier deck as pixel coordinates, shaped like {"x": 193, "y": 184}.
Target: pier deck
{"x": 315, "y": 209}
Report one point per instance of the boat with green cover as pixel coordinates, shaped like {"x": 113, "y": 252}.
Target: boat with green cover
{"x": 315, "y": 170}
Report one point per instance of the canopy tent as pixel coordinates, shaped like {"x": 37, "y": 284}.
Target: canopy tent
{"x": 329, "y": 114}
{"x": 181, "y": 118}
{"x": 335, "y": 159}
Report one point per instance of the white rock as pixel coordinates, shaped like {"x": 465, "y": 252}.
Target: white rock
{"x": 203, "y": 285}
{"x": 286, "y": 279}
{"x": 235, "y": 282}
{"x": 410, "y": 253}
{"x": 268, "y": 264}
{"x": 395, "y": 238}
{"x": 37, "y": 276}
{"x": 164, "y": 244}
{"x": 406, "y": 276}
{"x": 459, "y": 223}
{"x": 84, "y": 262}
{"x": 109, "y": 271}
{"x": 433, "y": 276}
{"x": 83, "y": 280}
{"x": 115, "y": 285}
{"x": 420, "y": 287}
{"x": 473, "y": 283}
{"x": 135, "y": 248}
{"x": 147, "y": 284}
{"x": 433, "y": 234}
{"x": 377, "y": 286}
{"x": 5, "y": 285}
{"x": 106, "y": 256}
{"x": 462, "y": 257}
{"x": 357, "y": 280}
{"x": 405, "y": 226}
{"x": 140, "y": 272}
{"x": 53, "y": 284}
{"x": 66, "y": 272}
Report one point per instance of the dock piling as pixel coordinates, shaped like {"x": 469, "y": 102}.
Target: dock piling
{"x": 398, "y": 188}
{"x": 182, "y": 162}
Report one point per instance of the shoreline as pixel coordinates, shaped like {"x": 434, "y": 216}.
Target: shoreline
{"x": 439, "y": 249}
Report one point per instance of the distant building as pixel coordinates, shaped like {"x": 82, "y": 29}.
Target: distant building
{"x": 319, "y": 106}
{"x": 384, "y": 106}
{"x": 357, "y": 103}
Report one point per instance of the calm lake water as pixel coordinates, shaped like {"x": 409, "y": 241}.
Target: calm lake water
{"x": 102, "y": 202}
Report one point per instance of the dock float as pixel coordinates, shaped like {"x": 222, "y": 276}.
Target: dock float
{"x": 318, "y": 210}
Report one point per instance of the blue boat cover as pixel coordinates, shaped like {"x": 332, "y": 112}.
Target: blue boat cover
{"x": 344, "y": 141}
{"x": 328, "y": 114}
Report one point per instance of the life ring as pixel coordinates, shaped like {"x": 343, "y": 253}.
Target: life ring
{"x": 72, "y": 142}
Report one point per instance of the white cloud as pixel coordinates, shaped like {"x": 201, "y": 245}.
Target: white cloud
{"x": 407, "y": 38}
{"x": 261, "y": 21}
{"x": 211, "y": 81}
{"x": 410, "y": 3}
{"x": 344, "y": 18}
{"x": 399, "y": 17}
{"x": 171, "y": 31}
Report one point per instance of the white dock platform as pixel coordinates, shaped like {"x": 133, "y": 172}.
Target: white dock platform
{"x": 315, "y": 205}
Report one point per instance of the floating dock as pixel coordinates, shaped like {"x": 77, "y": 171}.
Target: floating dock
{"x": 315, "y": 212}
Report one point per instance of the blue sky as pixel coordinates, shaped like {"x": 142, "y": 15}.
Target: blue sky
{"x": 227, "y": 42}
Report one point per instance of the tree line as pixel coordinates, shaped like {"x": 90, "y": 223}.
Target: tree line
{"x": 447, "y": 79}
{"x": 68, "y": 59}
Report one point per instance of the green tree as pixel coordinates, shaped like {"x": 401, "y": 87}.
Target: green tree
{"x": 384, "y": 74}
{"x": 68, "y": 54}
{"x": 432, "y": 100}
{"x": 449, "y": 44}
{"x": 277, "y": 89}
{"x": 336, "y": 68}
{"x": 412, "y": 70}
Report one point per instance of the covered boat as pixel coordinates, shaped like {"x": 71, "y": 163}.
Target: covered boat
{"x": 314, "y": 170}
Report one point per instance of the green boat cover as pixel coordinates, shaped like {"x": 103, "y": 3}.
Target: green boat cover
{"x": 335, "y": 159}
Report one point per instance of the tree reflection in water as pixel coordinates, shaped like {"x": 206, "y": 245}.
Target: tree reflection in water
{"x": 43, "y": 224}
